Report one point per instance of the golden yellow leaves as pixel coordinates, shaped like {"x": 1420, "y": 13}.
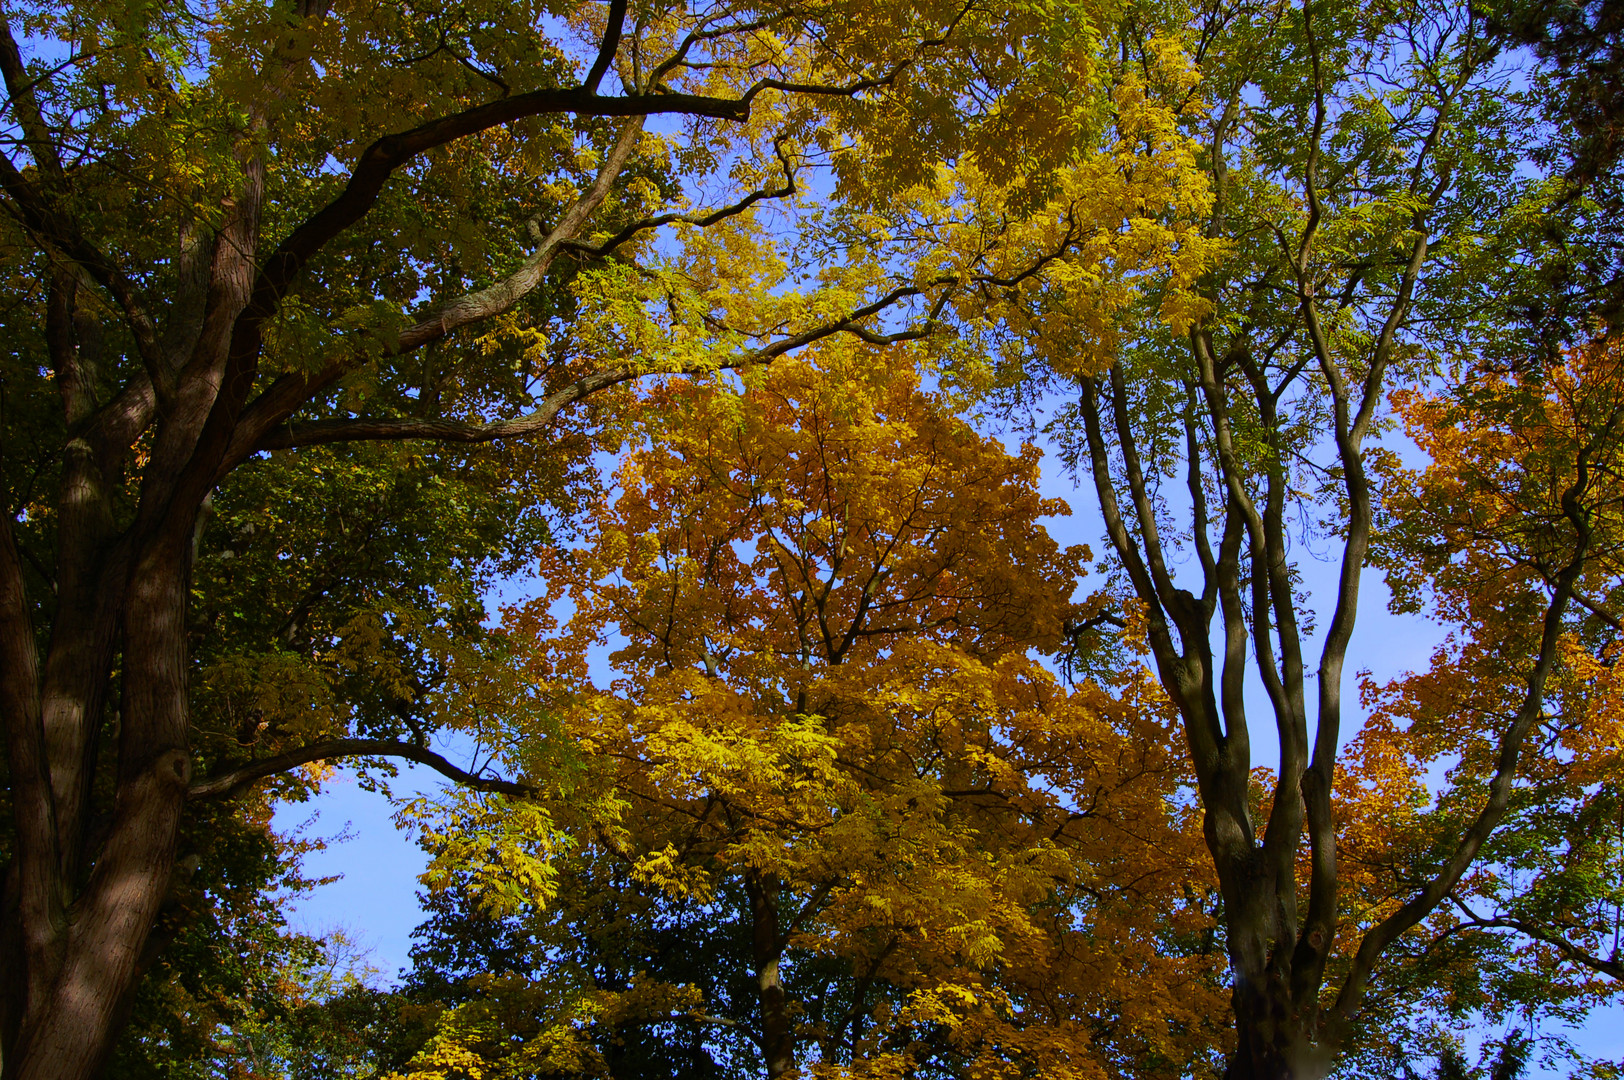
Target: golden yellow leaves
{"x": 1114, "y": 225}
{"x": 1027, "y": 241}
{"x": 505, "y": 852}
{"x": 826, "y": 591}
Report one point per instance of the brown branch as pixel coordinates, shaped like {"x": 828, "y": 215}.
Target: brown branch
{"x": 1315, "y": 144}
{"x": 1579, "y": 955}
{"x": 1176, "y": 602}
{"x": 37, "y": 855}
{"x": 43, "y": 217}
{"x": 501, "y": 296}
{"x": 606, "y": 51}
{"x": 1198, "y": 504}
{"x": 42, "y": 211}
{"x": 1384, "y": 933}
{"x": 1189, "y": 692}
{"x": 703, "y": 219}
{"x": 1595, "y": 608}
{"x": 331, "y": 431}
{"x": 808, "y": 909}
{"x": 24, "y": 105}
{"x": 234, "y": 780}
{"x": 1240, "y": 502}
{"x": 258, "y": 427}
{"x": 380, "y": 160}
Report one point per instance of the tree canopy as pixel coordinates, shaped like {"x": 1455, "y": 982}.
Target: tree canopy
{"x": 732, "y": 331}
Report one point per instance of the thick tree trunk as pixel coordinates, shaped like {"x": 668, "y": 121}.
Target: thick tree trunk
{"x": 1273, "y": 1040}
{"x": 82, "y": 958}
{"x": 79, "y": 915}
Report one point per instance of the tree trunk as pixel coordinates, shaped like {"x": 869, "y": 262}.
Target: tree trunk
{"x": 82, "y": 956}
{"x": 777, "y": 1028}
{"x": 1273, "y": 1042}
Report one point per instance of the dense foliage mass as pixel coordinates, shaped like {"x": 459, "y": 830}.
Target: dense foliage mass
{"x": 727, "y": 335}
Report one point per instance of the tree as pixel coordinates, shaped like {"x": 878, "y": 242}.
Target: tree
{"x": 317, "y": 233}
{"x": 1576, "y": 279}
{"x": 1359, "y": 160}
{"x": 233, "y": 967}
{"x": 832, "y": 813}
{"x": 1508, "y": 1064}
{"x": 1516, "y": 509}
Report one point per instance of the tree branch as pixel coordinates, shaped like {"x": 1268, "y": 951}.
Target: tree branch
{"x": 501, "y": 296}
{"x": 606, "y": 51}
{"x": 233, "y": 780}
{"x": 37, "y": 856}
{"x": 331, "y": 431}
{"x": 380, "y": 160}
{"x": 39, "y": 216}
{"x": 703, "y": 219}
{"x": 43, "y": 212}
{"x": 1613, "y": 967}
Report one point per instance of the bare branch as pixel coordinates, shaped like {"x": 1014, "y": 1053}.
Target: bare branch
{"x": 1184, "y": 687}
{"x": 1173, "y": 600}
{"x": 232, "y": 781}
{"x": 606, "y": 51}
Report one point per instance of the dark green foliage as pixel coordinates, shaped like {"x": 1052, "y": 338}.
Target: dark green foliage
{"x": 1501, "y": 1059}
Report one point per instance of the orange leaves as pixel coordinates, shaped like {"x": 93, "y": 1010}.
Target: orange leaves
{"x": 1525, "y": 484}
{"x": 1520, "y": 462}
{"x": 826, "y": 595}
{"x": 824, "y": 515}
{"x": 1513, "y": 533}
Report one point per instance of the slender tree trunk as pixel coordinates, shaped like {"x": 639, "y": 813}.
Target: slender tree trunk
{"x": 777, "y": 1029}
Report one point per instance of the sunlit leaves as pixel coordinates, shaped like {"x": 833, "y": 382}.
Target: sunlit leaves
{"x": 823, "y": 591}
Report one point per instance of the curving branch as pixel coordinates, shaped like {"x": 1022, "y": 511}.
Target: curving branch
{"x": 318, "y": 432}
{"x": 233, "y": 781}
{"x": 380, "y": 161}
{"x": 483, "y": 303}
{"x": 41, "y": 210}
{"x": 606, "y": 51}
{"x": 1613, "y": 967}
{"x": 703, "y": 219}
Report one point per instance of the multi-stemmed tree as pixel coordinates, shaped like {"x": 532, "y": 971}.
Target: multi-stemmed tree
{"x": 1371, "y": 168}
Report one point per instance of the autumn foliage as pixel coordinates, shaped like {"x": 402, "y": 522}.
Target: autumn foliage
{"x": 826, "y": 738}
{"x": 1521, "y": 499}
{"x": 739, "y": 348}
